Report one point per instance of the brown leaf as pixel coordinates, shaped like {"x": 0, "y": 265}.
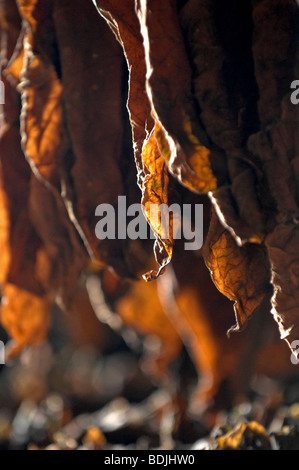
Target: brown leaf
{"x": 61, "y": 262}
{"x": 93, "y": 174}
{"x": 152, "y": 173}
{"x": 25, "y": 316}
{"x": 182, "y": 143}
{"x": 154, "y": 194}
{"x": 21, "y": 240}
{"x": 26, "y": 306}
{"x": 225, "y": 89}
{"x": 41, "y": 118}
{"x": 43, "y": 139}
{"x": 240, "y": 273}
{"x": 275, "y": 52}
{"x": 283, "y": 253}
{"x": 245, "y": 435}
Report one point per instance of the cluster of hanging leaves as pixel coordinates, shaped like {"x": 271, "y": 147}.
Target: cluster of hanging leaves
{"x": 50, "y": 170}
{"x": 195, "y": 95}
{"x": 217, "y": 77}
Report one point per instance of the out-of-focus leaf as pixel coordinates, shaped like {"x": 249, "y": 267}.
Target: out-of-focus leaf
{"x": 94, "y": 439}
{"x": 25, "y": 306}
{"x": 61, "y": 262}
{"x": 141, "y": 309}
{"x": 136, "y": 306}
{"x": 245, "y": 436}
{"x": 4, "y": 232}
{"x": 25, "y": 316}
{"x": 201, "y": 324}
{"x": 81, "y": 323}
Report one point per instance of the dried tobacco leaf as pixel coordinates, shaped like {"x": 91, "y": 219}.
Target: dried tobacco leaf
{"x": 10, "y": 28}
{"x": 25, "y": 306}
{"x": 218, "y": 38}
{"x": 59, "y": 265}
{"x": 275, "y": 49}
{"x": 43, "y": 139}
{"x": 200, "y": 86}
{"x": 241, "y": 273}
{"x": 152, "y": 173}
{"x": 93, "y": 103}
{"x": 55, "y": 140}
{"x": 154, "y": 195}
{"x": 41, "y": 119}
{"x": 181, "y": 139}
{"x": 30, "y": 272}
{"x": 37, "y": 19}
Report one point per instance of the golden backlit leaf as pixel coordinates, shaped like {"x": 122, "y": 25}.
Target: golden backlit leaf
{"x": 169, "y": 90}
{"x": 196, "y": 174}
{"x": 152, "y": 172}
{"x": 14, "y": 67}
{"x": 27, "y": 9}
{"x": 5, "y": 254}
{"x": 32, "y": 274}
{"x": 240, "y": 273}
{"x": 154, "y": 194}
{"x": 204, "y": 110}
{"x": 186, "y": 157}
